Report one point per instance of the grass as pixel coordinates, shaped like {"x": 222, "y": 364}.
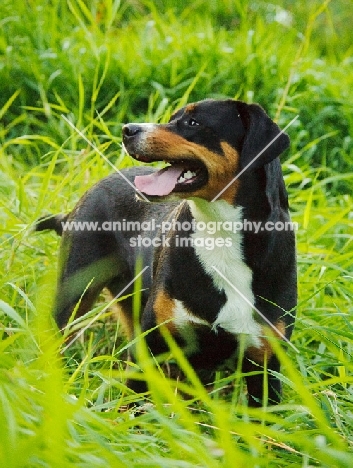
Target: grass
{"x": 103, "y": 63}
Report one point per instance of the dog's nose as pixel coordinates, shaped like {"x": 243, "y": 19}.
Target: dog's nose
{"x": 130, "y": 130}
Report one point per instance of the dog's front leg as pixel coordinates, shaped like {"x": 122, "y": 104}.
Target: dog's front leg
{"x": 257, "y": 382}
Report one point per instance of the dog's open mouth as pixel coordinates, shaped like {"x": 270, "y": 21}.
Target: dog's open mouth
{"x": 180, "y": 176}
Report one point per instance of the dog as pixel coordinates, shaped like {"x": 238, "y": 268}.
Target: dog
{"x": 209, "y": 284}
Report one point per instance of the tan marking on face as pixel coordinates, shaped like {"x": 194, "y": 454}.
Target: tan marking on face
{"x": 265, "y": 351}
{"x": 190, "y": 108}
{"x": 221, "y": 168}
{"x": 163, "y": 307}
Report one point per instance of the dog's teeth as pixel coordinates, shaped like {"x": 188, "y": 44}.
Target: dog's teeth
{"x": 186, "y": 176}
{"x": 189, "y": 175}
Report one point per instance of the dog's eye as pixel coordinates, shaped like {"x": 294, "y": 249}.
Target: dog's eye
{"x": 192, "y": 122}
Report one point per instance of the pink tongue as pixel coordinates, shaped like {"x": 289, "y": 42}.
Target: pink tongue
{"x": 159, "y": 183}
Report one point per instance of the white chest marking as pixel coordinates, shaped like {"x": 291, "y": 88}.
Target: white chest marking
{"x": 237, "y": 314}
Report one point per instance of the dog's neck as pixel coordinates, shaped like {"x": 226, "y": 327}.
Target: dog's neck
{"x": 220, "y": 210}
{"x": 218, "y": 220}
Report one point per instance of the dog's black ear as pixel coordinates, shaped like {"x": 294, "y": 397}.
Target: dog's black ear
{"x": 263, "y": 140}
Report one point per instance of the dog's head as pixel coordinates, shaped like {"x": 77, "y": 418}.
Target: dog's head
{"x": 206, "y": 144}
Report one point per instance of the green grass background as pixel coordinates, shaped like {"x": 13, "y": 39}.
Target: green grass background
{"x": 104, "y": 63}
